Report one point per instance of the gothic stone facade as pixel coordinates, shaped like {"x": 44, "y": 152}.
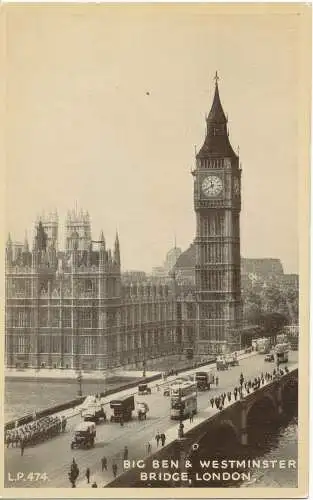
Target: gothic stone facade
{"x": 71, "y": 310}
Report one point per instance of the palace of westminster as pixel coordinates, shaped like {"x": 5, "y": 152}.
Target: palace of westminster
{"x": 75, "y": 309}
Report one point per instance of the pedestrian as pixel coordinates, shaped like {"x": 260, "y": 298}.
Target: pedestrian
{"x": 22, "y": 447}
{"x": 74, "y": 469}
{"x": 157, "y": 438}
{"x": 149, "y": 448}
{"x": 212, "y": 402}
{"x": 125, "y": 453}
{"x": 121, "y": 421}
{"x": 216, "y": 381}
{"x": 94, "y": 485}
{"x": 88, "y": 475}
{"x": 163, "y": 438}
{"x": 114, "y": 469}
{"x": 72, "y": 480}
{"x": 241, "y": 379}
{"x": 229, "y": 396}
{"x": 190, "y": 417}
{"x": 104, "y": 463}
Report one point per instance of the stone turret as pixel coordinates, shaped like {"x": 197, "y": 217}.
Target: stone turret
{"x": 9, "y": 252}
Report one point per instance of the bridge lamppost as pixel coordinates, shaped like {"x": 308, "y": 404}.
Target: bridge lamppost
{"x": 181, "y": 428}
{"x": 79, "y": 380}
{"x": 181, "y": 418}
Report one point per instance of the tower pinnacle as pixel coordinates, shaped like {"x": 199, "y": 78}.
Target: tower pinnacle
{"x": 216, "y": 143}
{"x": 26, "y": 245}
{"x": 116, "y": 255}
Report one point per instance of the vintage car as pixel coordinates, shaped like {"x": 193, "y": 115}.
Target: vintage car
{"x": 143, "y": 389}
{"x": 142, "y": 410}
{"x": 84, "y": 435}
{"x": 221, "y": 365}
{"x": 269, "y": 357}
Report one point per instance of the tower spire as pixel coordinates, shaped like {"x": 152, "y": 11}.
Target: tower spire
{"x": 117, "y": 256}
{"x": 26, "y": 245}
{"x": 216, "y": 143}
{"x": 9, "y": 251}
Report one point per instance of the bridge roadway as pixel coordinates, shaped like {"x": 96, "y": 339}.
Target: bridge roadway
{"x": 53, "y": 457}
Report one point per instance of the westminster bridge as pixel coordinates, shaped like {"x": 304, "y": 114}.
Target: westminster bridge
{"x": 235, "y": 424}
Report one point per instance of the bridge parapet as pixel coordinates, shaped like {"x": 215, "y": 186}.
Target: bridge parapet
{"x": 234, "y": 417}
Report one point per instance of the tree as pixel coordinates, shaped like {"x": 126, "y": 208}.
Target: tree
{"x": 270, "y": 299}
{"x": 273, "y": 323}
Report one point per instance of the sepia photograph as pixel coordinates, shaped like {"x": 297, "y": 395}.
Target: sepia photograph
{"x": 155, "y": 256}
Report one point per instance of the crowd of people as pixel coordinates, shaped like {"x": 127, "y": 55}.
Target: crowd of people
{"x": 245, "y": 387}
{"x": 35, "y": 432}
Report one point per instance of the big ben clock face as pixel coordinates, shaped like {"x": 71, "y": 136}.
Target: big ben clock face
{"x": 212, "y": 185}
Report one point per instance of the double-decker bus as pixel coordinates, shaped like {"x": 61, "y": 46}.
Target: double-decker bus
{"x": 183, "y": 399}
{"x": 281, "y": 353}
{"x": 281, "y": 338}
{"x": 263, "y": 346}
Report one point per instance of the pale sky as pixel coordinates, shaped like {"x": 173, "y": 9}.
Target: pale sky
{"x": 80, "y": 126}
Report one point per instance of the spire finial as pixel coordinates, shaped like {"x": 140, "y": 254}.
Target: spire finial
{"x": 216, "y": 78}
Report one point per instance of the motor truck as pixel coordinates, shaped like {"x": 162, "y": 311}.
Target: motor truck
{"x": 94, "y": 412}
{"x": 203, "y": 380}
{"x": 122, "y": 408}
{"x": 232, "y": 360}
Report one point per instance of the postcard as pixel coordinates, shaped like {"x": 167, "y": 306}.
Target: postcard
{"x": 155, "y": 257}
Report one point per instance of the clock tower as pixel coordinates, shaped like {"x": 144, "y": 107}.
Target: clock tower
{"x": 217, "y": 203}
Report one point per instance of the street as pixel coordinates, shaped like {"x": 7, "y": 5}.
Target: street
{"x": 51, "y": 460}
